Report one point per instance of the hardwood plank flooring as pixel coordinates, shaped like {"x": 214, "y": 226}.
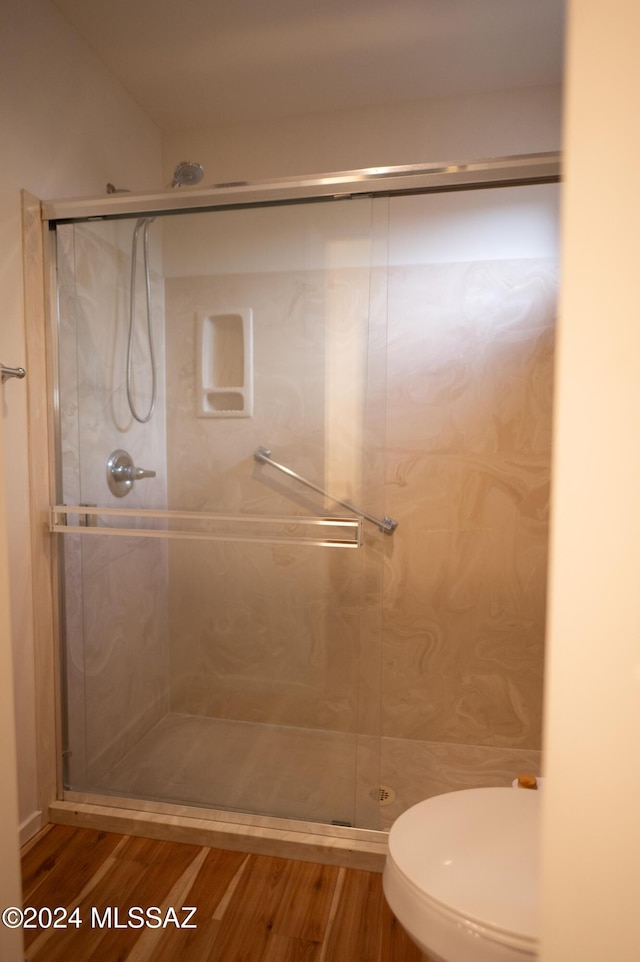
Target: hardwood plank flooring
{"x": 248, "y": 908}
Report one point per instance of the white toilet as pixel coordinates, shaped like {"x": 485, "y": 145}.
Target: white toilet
{"x": 461, "y": 875}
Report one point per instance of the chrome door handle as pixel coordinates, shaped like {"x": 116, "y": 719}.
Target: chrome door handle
{"x": 122, "y": 473}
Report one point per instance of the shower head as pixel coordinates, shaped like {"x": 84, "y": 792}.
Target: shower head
{"x": 187, "y": 174}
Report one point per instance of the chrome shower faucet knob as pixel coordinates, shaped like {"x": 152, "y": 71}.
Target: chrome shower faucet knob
{"x": 122, "y": 473}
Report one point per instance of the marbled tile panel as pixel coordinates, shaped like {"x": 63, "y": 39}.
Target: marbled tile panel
{"x": 416, "y": 770}
{"x": 464, "y": 636}
{"x": 273, "y": 633}
{"x": 468, "y": 471}
{"x": 293, "y": 349}
{"x": 275, "y": 643}
{"x": 93, "y": 347}
{"x": 470, "y": 355}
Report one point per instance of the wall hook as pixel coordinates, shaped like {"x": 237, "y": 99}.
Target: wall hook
{"x": 8, "y": 372}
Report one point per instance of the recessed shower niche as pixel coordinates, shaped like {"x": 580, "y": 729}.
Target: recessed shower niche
{"x": 224, "y": 345}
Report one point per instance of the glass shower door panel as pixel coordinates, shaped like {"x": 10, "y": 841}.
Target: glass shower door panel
{"x": 229, "y": 675}
{"x": 246, "y": 704}
{"x": 115, "y": 611}
{"x": 115, "y": 653}
{"x": 261, "y": 686}
{"x": 267, "y": 642}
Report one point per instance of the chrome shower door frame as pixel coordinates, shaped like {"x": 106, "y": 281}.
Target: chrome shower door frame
{"x": 371, "y": 182}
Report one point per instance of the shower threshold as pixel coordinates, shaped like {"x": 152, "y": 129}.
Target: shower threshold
{"x": 306, "y": 841}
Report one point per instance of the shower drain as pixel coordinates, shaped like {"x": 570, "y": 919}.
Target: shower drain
{"x": 384, "y": 794}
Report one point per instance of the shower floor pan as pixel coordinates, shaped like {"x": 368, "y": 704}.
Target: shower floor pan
{"x": 242, "y": 766}
{"x": 261, "y": 784}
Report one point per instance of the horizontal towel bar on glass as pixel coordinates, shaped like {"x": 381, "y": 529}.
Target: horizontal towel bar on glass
{"x": 387, "y": 525}
{"x": 196, "y": 526}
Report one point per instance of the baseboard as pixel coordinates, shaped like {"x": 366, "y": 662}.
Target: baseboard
{"x": 31, "y": 826}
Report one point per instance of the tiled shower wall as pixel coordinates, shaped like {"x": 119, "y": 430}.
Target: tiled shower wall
{"x": 470, "y": 383}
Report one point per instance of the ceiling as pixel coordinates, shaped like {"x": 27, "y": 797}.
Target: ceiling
{"x": 193, "y": 63}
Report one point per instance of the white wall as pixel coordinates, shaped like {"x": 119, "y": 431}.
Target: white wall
{"x": 465, "y": 128}
{"x": 68, "y": 128}
{"x": 591, "y": 826}
{"x": 10, "y": 891}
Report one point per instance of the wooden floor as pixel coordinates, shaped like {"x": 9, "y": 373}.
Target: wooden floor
{"x": 248, "y": 908}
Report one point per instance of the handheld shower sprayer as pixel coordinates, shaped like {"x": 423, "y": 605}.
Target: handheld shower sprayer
{"x": 143, "y": 224}
{"x": 187, "y": 174}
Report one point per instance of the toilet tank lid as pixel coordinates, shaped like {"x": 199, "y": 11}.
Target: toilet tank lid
{"x": 476, "y": 853}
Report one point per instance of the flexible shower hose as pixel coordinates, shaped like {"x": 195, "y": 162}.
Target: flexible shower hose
{"x": 145, "y": 223}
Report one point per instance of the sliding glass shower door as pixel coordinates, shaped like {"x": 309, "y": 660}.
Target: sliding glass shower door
{"x": 318, "y": 366}
{"x": 222, "y": 605}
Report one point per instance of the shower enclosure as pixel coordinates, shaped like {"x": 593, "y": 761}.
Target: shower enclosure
{"x": 313, "y": 576}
